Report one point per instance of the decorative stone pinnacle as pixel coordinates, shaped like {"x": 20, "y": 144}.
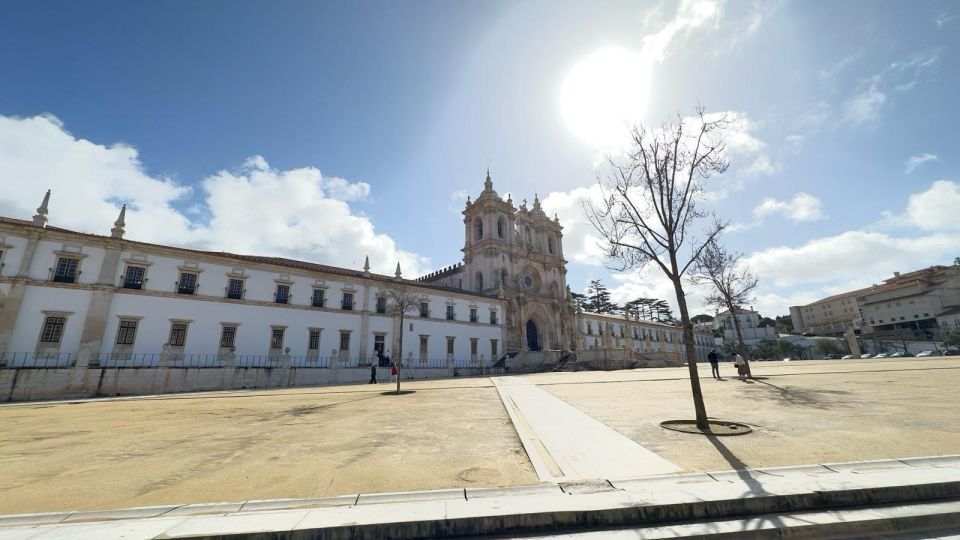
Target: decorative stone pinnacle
{"x": 40, "y": 219}
{"x": 488, "y": 183}
{"x": 366, "y": 265}
{"x": 397, "y": 273}
{"x": 118, "y": 225}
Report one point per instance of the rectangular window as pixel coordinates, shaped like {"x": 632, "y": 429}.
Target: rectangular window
{"x": 178, "y": 334}
{"x": 317, "y": 299}
{"x": 589, "y": 329}
{"x": 381, "y": 304}
{"x": 52, "y": 329}
{"x": 276, "y": 338}
{"x": 473, "y": 314}
{"x": 235, "y": 289}
{"x": 313, "y": 343}
{"x": 282, "y": 296}
{"x": 344, "y": 340}
{"x": 473, "y": 345}
{"x": 424, "y": 309}
{"x": 133, "y": 278}
{"x": 187, "y": 283}
{"x": 228, "y": 337}
{"x": 450, "y": 314}
{"x": 493, "y": 349}
{"x": 449, "y": 344}
{"x": 126, "y": 333}
{"x": 493, "y": 317}
{"x": 347, "y": 301}
{"x": 423, "y": 347}
{"x": 66, "y": 271}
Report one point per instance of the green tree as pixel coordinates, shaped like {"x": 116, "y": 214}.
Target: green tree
{"x": 697, "y": 319}
{"x": 952, "y": 339}
{"x": 827, "y": 346}
{"x": 784, "y": 324}
{"x": 598, "y": 298}
{"x": 579, "y": 300}
{"x": 766, "y": 322}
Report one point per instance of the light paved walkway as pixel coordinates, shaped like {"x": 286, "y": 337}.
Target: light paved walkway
{"x": 862, "y": 499}
{"x": 565, "y": 444}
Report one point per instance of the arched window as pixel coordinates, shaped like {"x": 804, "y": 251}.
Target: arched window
{"x": 529, "y": 237}
{"x": 478, "y": 227}
{"x": 501, "y": 228}
{"x": 503, "y": 276}
{"x": 550, "y": 244}
{"x": 479, "y": 281}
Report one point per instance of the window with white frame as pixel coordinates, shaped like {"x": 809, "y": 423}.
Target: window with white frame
{"x": 52, "y": 329}
{"x": 381, "y": 304}
{"x": 473, "y": 314}
{"x": 178, "y": 334}
{"x": 450, "y": 314}
{"x": 126, "y": 332}
{"x": 423, "y": 346}
{"x": 344, "y": 340}
{"x": 317, "y": 299}
{"x": 276, "y": 337}
{"x": 282, "y": 295}
{"x": 228, "y": 336}
{"x": 313, "y": 341}
{"x": 235, "y": 288}
{"x": 133, "y": 277}
{"x": 493, "y": 349}
{"x": 450, "y": 344}
{"x": 187, "y": 284}
{"x": 424, "y": 309}
{"x": 67, "y": 270}
{"x": 347, "y": 303}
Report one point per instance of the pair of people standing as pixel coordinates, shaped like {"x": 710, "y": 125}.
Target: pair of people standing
{"x": 382, "y": 360}
{"x": 742, "y": 370}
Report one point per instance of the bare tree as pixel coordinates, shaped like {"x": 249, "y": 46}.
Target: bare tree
{"x": 732, "y": 284}
{"x": 401, "y": 299}
{"x": 649, "y": 209}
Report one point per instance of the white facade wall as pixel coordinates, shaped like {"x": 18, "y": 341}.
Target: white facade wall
{"x": 158, "y": 304}
{"x": 39, "y": 299}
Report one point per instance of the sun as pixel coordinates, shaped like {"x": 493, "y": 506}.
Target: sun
{"x": 604, "y": 94}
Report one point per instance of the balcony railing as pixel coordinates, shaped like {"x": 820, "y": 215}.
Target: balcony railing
{"x": 136, "y": 284}
{"x": 65, "y": 278}
{"x": 317, "y": 302}
{"x": 346, "y": 306}
{"x": 183, "y": 288}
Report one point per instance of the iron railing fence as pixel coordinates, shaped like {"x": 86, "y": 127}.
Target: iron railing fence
{"x": 37, "y": 360}
{"x": 178, "y": 360}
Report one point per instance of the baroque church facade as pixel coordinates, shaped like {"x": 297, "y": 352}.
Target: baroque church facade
{"x": 516, "y": 254}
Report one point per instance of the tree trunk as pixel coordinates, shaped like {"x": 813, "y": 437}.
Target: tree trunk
{"x": 740, "y": 343}
{"x": 689, "y": 345}
{"x": 399, "y": 360}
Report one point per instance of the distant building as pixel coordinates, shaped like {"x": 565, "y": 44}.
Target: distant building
{"x": 749, "y": 322}
{"x": 920, "y": 301}
{"x": 829, "y": 316}
{"x": 606, "y": 331}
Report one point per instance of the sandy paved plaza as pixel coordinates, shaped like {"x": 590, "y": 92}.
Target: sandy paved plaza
{"x": 454, "y": 433}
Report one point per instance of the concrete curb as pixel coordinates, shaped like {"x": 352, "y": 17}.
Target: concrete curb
{"x": 662, "y": 501}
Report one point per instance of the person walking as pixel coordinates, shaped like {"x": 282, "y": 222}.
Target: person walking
{"x": 741, "y": 367}
{"x": 714, "y": 364}
{"x": 393, "y": 372}
{"x": 373, "y": 374}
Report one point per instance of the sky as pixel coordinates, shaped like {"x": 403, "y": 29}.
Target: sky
{"x": 330, "y": 131}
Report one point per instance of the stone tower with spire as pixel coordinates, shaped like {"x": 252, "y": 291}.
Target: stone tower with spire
{"x": 516, "y": 254}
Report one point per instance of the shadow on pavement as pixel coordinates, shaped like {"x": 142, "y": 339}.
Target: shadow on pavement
{"x": 805, "y": 397}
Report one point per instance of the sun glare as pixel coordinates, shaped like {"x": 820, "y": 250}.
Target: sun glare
{"x": 604, "y": 94}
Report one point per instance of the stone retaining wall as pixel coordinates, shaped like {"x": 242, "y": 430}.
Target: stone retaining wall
{"x": 31, "y": 384}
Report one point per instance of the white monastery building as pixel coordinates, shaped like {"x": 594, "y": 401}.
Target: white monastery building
{"x": 76, "y": 299}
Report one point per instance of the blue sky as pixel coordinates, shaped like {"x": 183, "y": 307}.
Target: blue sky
{"x": 331, "y": 131}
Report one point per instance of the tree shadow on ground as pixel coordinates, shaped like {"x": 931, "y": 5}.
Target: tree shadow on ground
{"x": 804, "y": 397}
{"x": 754, "y": 488}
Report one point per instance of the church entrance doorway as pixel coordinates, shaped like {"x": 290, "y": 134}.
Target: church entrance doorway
{"x": 533, "y": 336}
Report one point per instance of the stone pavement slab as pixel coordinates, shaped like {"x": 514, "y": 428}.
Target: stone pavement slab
{"x": 890, "y": 498}
{"x": 565, "y": 444}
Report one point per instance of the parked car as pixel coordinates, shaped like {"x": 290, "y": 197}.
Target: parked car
{"x": 864, "y": 356}
{"x": 922, "y": 354}
{"x": 900, "y": 354}
{"x": 881, "y": 355}
{"x": 952, "y": 351}
{"x": 831, "y": 356}
{"x": 846, "y": 357}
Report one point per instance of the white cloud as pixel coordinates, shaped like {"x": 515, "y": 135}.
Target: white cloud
{"x": 943, "y": 19}
{"x": 581, "y": 242}
{"x": 935, "y": 209}
{"x": 691, "y": 14}
{"x": 865, "y": 106}
{"x": 816, "y": 116}
{"x": 802, "y": 207}
{"x": 916, "y": 161}
{"x": 297, "y": 213}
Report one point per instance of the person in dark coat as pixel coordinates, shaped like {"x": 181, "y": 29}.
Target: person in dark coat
{"x": 373, "y": 374}
{"x": 714, "y": 364}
